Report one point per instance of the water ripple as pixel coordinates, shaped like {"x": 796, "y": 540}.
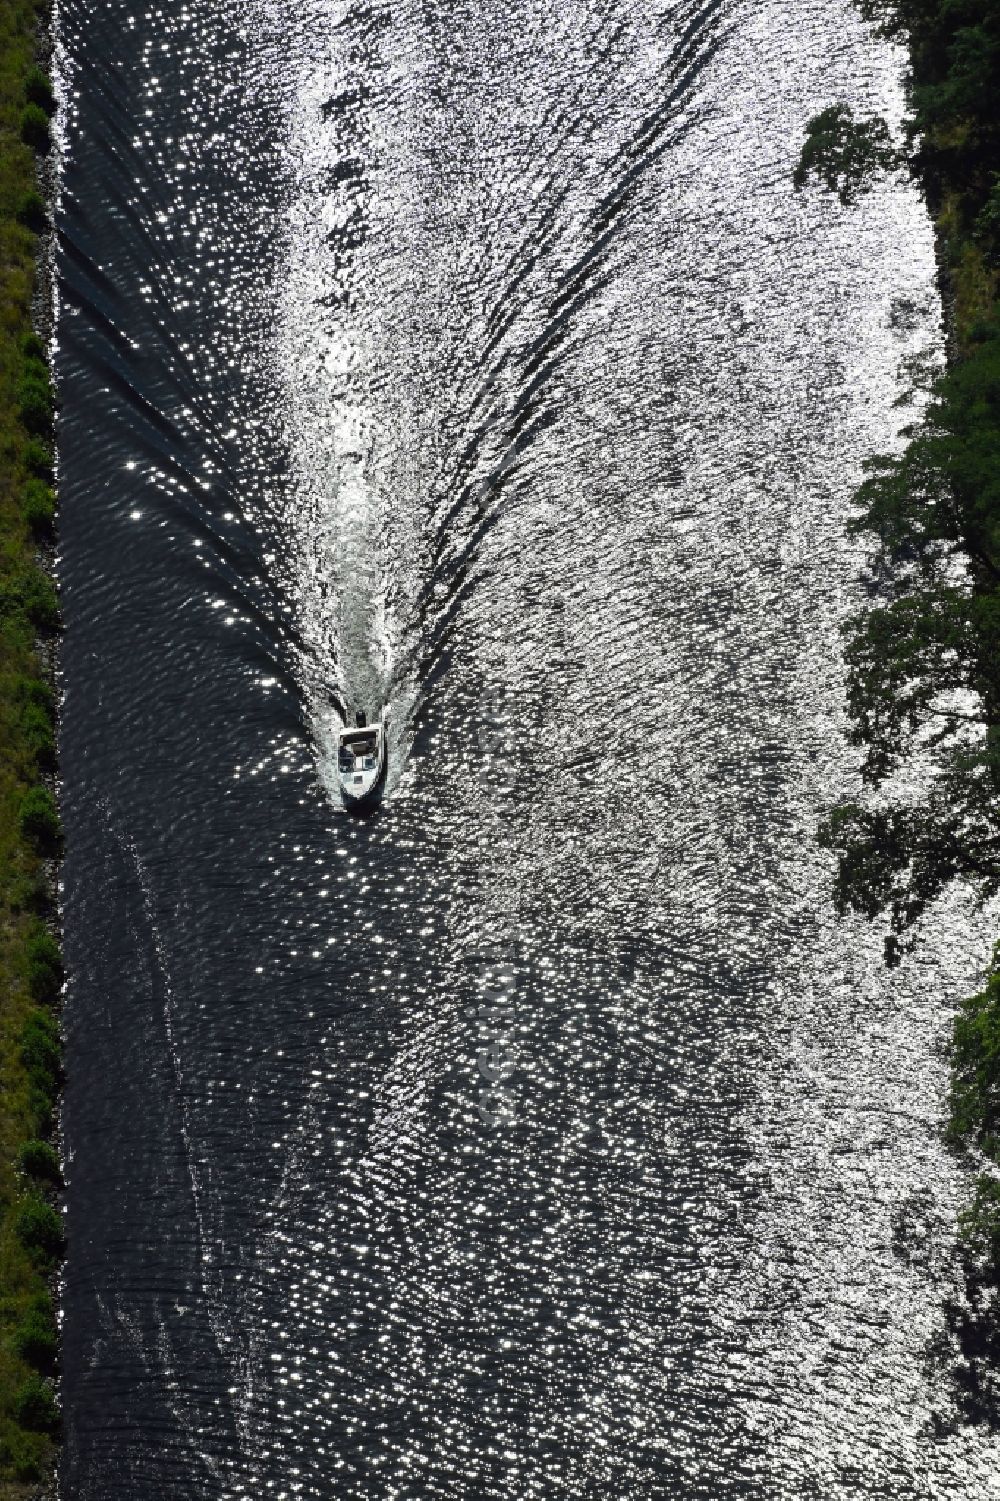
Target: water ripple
{"x": 543, "y": 1135}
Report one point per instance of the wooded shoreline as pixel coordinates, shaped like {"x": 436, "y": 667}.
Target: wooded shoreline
{"x": 891, "y": 861}
{"x": 31, "y": 1234}
{"x": 924, "y": 657}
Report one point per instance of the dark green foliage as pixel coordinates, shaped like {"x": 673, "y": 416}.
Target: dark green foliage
{"x": 40, "y": 1051}
{"x": 35, "y": 1343}
{"x": 987, "y": 226}
{"x": 39, "y": 1229}
{"x": 980, "y": 1223}
{"x": 35, "y": 404}
{"x": 955, "y": 52}
{"x": 35, "y": 398}
{"x": 975, "y": 1088}
{"x": 39, "y": 506}
{"x": 38, "y": 736}
{"x": 41, "y": 1107}
{"x": 30, "y": 1230}
{"x": 35, "y": 370}
{"x": 32, "y": 593}
{"x": 35, "y": 1406}
{"x": 31, "y": 211}
{"x": 40, "y": 601}
{"x": 35, "y": 129}
{"x": 39, "y": 819}
{"x": 975, "y": 1120}
{"x": 965, "y": 89}
{"x": 42, "y": 949}
{"x": 45, "y": 969}
{"x": 924, "y": 657}
{"x": 38, "y": 460}
{"x": 35, "y": 1339}
{"x": 846, "y": 154}
{"x": 37, "y": 1159}
{"x": 38, "y": 90}
{"x": 24, "y": 1455}
{"x": 924, "y": 662}
{"x": 30, "y": 893}
{"x": 871, "y": 850}
{"x": 34, "y": 690}
{"x": 35, "y": 367}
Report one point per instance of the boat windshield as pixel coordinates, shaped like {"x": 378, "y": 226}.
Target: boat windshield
{"x": 359, "y": 745}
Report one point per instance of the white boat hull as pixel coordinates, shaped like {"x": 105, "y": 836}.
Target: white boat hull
{"x": 362, "y": 762}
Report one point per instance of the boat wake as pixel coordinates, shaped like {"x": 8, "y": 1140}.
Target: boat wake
{"x": 344, "y": 574}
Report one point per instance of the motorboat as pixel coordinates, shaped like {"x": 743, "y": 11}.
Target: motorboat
{"x": 361, "y": 762}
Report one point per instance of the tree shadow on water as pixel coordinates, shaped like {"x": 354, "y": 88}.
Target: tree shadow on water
{"x": 964, "y": 1356}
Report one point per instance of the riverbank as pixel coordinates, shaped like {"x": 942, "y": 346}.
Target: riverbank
{"x": 924, "y": 657}
{"x": 956, "y": 77}
{"x": 954, "y": 135}
{"x": 30, "y": 964}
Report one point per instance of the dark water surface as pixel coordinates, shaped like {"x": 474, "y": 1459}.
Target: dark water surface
{"x": 477, "y": 359}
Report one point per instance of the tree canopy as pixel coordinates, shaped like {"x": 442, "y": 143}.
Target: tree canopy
{"x": 924, "y": 659}
{"x": 846, "y": 154}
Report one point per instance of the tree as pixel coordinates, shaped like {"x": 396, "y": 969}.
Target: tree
{"x": 923, "y": 661}
{"x": 845, "y": 153}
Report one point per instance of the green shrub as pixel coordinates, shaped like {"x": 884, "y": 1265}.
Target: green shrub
{"x": 40, "y": 1055}
{"x": 40, "y": 1306}
{"x": 35, "y": 1338}
{"x": 33, "y": 592}
{"x": 38, "y": 460}
{"x": 975, "y": 1077}
{"x": 36, "y": 691}
{"x": 40, "y": 1049}
{"x": 39, "y": 819}
{"x": 39, "y": 1229}
{"x": 32, "y": 348}
{"x": 36, "y": 1344}
{"x": 35, "y": 1407}
{"x": 40, "y": 600}
{"x": 988, "y": 221}
{"x": 35, "y": 129}
{"x": 36, "y": 732}
{"x": 39, "y": 506}
{"x": 41, "y": 948}
{"x": 24, "y": 1455}
{"x": 35, "y": 397}
{"x": 42, "y": 1107}
{"x": 31, "y": 211}
{"x": 37, "y": 719}
{"x": 29, "y": 892}
{"x": 45, "y": 969}
{"x": 38, "y": 90}
{"x": 38, "y": 1159}
{"x": 980, "y": 1223}
{"x": 36, "y": 405}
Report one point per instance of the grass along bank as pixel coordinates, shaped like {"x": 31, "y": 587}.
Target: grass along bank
{"x": 30, "y": 966}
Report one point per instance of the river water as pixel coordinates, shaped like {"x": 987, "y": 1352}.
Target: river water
{"x": 543, "y": 1135}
